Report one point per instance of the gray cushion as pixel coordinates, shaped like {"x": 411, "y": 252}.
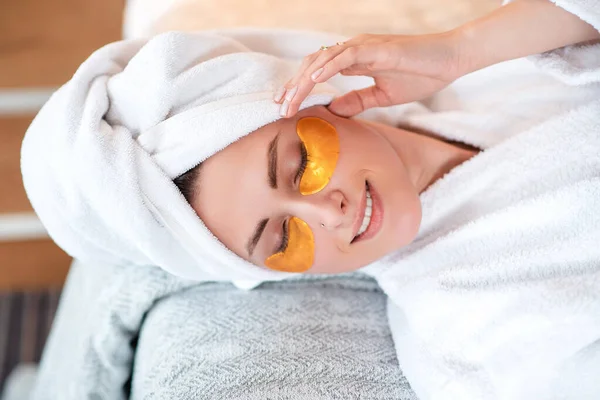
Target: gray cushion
{"x": 307, "y": 339}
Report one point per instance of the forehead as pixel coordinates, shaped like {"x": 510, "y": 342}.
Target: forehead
{"x": 233, "y": 192}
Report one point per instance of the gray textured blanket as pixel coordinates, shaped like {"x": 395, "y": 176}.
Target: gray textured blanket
{"x": 142, "y": 334}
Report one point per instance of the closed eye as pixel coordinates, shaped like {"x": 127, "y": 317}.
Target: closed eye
{"x": 284, "y": 237}
{"x": 303, "y": 163}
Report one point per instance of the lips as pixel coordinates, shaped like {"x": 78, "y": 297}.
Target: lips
{"x": 360, "y": 215}
{"x": 368, "y": 212}
{"x": 365, "y": 226}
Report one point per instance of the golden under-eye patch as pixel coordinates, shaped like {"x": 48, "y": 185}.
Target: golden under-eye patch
{"x": 323, "y": 148}
{"x": 299, "y": 253}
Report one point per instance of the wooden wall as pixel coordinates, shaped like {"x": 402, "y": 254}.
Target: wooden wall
{"x": 41, "y": 45}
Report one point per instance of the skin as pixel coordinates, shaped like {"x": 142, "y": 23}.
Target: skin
{"x": 398, "y": 164}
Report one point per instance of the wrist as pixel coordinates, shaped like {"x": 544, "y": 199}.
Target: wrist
{"x": 448, "y": 59}
{"x": 469, "y": 57}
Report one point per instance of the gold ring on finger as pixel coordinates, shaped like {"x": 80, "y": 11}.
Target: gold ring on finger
{"x": 324, "y": 47}
{"x": 341, "y": 43}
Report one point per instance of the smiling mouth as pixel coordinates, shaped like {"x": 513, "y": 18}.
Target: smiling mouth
{"x": 368, "y": 212}
{"x": 372, "y": 216}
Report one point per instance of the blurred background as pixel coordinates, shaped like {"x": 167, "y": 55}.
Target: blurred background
{"x": 41, "y": 45}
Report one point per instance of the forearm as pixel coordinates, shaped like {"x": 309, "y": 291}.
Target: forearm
{"x": 519, "y": 29}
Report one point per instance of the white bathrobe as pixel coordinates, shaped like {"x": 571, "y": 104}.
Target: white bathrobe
{"x": 499, "y": 295}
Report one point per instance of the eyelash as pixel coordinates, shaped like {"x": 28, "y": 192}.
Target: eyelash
{"x": 284, "y": 237}
{"x": 303, "y": 162}
{"x": 301, "y": 169}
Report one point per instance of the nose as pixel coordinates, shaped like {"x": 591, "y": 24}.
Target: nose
{"x": 327, "y": 210}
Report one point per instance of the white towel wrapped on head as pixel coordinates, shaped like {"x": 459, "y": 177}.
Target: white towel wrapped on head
{"x": 99, "y": 159}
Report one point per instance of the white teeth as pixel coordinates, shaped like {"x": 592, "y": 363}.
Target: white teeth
{"x": 367, "y": 217}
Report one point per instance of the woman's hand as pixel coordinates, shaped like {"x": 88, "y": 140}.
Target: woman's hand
{"x": 405, "y": 68}
{"x": 409, "y": 68}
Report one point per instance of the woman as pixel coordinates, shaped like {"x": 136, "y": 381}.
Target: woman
{"x": 481, "y": 277}
{"x": 401, "y": 164}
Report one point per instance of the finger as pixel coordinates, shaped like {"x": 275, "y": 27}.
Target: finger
{"x": 279, "y": 95}
{"x": 354, "y": 70}
{"x": 302, "y": 84}
{"x": 317, "y": 58}
{"x": 325, "y": 56}
{"x": 359, "y": 55}
{"x": 357, "y": 101}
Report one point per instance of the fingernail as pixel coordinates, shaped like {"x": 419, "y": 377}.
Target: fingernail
{"x": 279, "y": 94}
{"x": 291, "y": 93}
{"x": 316, "y": 74}
{"x": 284, "y": 108}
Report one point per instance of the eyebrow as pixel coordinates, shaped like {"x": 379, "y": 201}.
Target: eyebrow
{"x": 272, "y": 174}
{"x": 258, "y": 231}
{"x": 272, "y": 161}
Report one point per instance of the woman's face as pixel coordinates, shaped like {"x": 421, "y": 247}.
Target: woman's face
{"x": 247, "y": 194}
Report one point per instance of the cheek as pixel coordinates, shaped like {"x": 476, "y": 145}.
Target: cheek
{"x": 330, "y": 259}
{"x": 408, "y": 222}
{"x": 402, "y": 213}
{"x": 326, "y": 251}
{"x": 363, "y": 150}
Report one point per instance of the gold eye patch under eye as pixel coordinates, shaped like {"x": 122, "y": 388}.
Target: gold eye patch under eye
{"x": 323, "y": 148}
{"x": 299, "y": 254}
